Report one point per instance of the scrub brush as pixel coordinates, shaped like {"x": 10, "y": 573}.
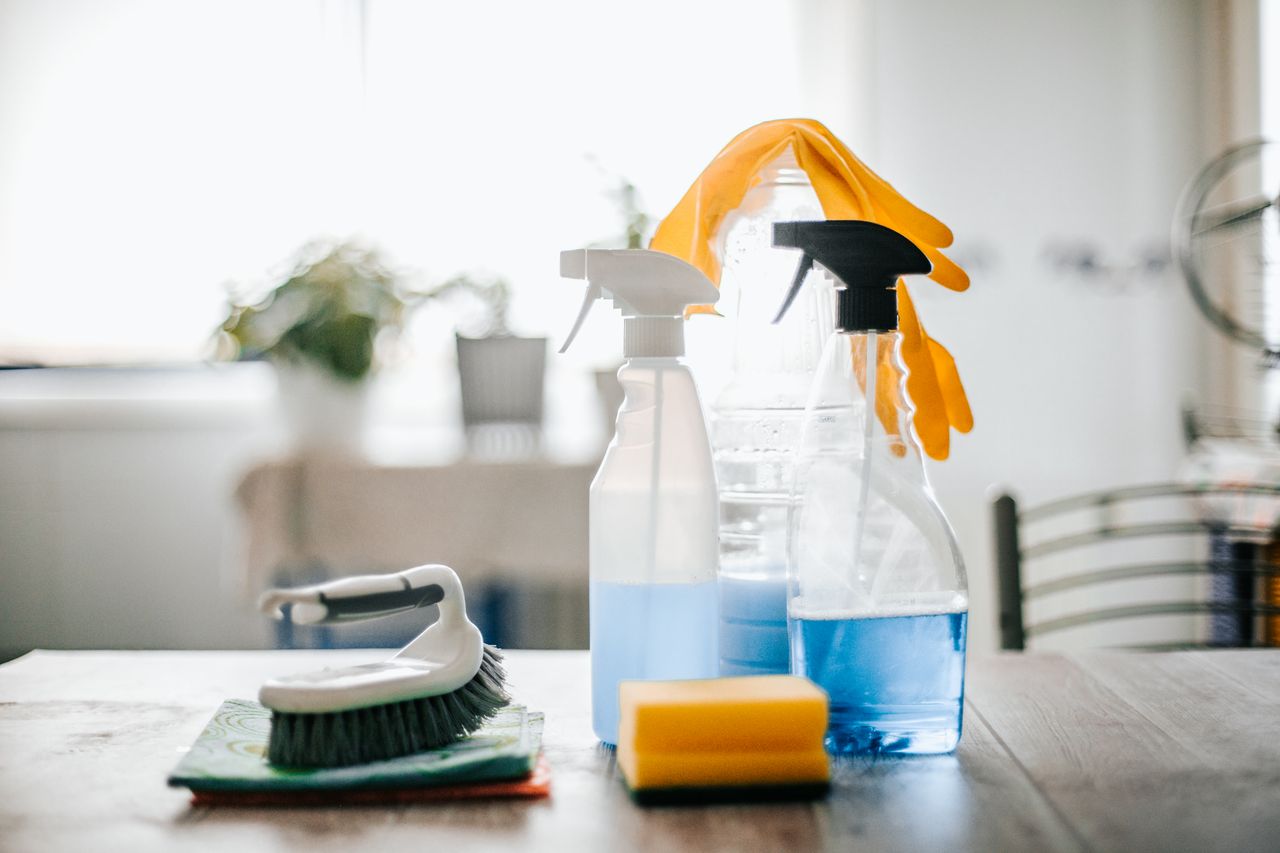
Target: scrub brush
{"x": 439, "y": 688}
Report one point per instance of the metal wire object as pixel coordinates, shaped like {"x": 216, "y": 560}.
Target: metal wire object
{"x": 1226, "y": 238}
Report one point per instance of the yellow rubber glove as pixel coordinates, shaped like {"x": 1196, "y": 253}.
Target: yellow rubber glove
{"x": 933, "y": 383}
{"x": 847, "y": 189}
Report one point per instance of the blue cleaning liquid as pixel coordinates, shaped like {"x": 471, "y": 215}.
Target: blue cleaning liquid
{"x": 647, "y": 632}
{"x": 895, "y": 682}
{"x": 753, "y": 625}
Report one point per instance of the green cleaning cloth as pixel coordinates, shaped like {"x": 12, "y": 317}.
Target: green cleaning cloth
{"x": 230, "y": 755}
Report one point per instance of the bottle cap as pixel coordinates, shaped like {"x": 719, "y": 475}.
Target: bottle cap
{"x": 866, "y": 260}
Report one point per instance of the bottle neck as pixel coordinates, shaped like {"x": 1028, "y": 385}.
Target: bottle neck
{"x": 878, "y": 369}
{"x": 784, "y": 170}
{"x": 645, "y": 362}
{"x": 876, "y": 346}
{"x": 652, "y": 337}
{"x": 772, "y": 364}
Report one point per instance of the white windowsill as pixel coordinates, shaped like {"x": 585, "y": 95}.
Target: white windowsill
{"x": 195, "y": 396}
{"x": 414, "y": 414}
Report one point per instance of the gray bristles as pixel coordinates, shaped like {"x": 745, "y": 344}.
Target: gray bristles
{"x": 389, "y": 731}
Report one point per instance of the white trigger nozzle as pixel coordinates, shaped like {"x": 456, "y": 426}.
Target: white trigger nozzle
{"x": 593, "y": 293}
{"x": 573, "y": 264}
{"x": 651, "y": 289}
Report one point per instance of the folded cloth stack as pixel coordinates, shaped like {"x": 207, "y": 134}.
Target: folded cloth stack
{"x": 227, "y": 766}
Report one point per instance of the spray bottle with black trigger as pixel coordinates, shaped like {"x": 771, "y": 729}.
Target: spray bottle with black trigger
{"x": 877, "y": 596}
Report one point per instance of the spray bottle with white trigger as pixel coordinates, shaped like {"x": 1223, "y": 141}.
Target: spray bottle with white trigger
{"x": 653, "y": 506}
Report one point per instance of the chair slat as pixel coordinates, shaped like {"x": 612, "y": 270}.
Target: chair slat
{"x": 1166, "y": 608}
{"x": 1154, "y": 490}
{"x": 1128, "y": 531}
{"x": 1184, "y": 646}
{"x": 1117, "y": 573}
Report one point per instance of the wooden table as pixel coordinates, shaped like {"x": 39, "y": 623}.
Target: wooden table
{"x": 1101, "y": 751}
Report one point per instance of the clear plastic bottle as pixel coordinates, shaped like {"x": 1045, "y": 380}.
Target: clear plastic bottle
{"x": 756, "y": 419}
{"x": 653, "y": 512}
{"x": 878, "y": 599}
{"x": 652, "y": 541}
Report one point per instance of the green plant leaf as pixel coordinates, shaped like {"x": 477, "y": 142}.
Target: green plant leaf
{"x": 335, "y": 301}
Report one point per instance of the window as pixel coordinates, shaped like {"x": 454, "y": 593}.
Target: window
{"x": 150, "y": 152}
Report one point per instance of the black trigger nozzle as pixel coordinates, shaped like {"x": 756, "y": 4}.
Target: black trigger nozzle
{"x": 864, "y": 258}
{"x": 806, "y": 264}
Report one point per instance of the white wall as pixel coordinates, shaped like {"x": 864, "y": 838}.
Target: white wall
{"x": 117, "y": 522}
{"x": 1017, "y": 124}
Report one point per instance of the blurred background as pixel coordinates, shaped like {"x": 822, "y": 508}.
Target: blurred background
{"x": 162, "y": 163}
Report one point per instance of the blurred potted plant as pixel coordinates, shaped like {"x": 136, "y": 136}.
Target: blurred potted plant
{"x": 635, "y": 221}
{"x": 502, "y": 375}
{"x": 319, "y": 327}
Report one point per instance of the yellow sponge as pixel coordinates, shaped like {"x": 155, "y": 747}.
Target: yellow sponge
{"x": 727, "y": 738}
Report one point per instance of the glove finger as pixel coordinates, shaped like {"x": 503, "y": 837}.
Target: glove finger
{"x": 957, "y": 402}
{"x": 930, "y": 419}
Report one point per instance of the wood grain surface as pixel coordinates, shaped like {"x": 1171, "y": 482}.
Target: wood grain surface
{"x": 1098, "y": 751}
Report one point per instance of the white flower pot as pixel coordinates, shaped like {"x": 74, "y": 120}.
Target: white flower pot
{"x": 321, "y": 413}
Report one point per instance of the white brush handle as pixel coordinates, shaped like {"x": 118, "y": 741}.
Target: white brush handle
{"x": 362, "y": 597}
{"x": 440, "y": 660}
